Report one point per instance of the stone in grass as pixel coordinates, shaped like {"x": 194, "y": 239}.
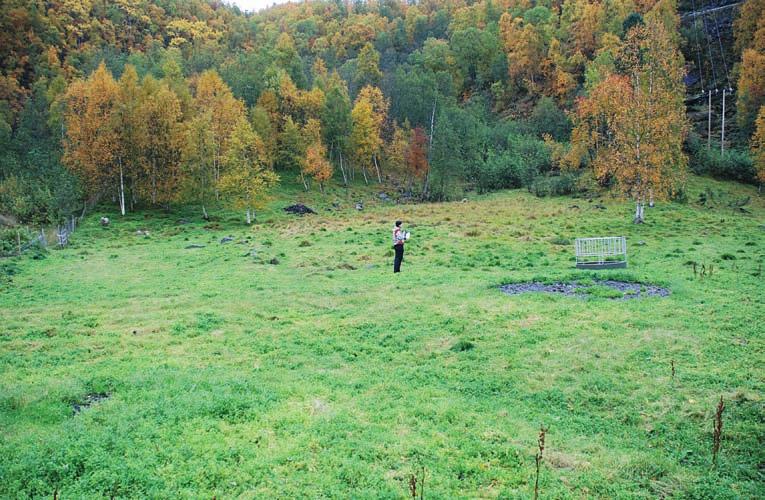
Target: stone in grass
{"x": 226, "y": 239}
{"x": 195, "y": 245}
{"x": 274, "y": 261}
{"x": 462, "y": 346}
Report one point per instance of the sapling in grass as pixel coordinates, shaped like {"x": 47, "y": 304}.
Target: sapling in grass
{"x": 717, "y": 434}
{"x": 538, "y": 458}
{"x": 413, "y": 485}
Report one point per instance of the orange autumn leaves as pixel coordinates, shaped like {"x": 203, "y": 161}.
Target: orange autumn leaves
{"x": 131, "y": 139}
{"x": 316, "y": 165}
{"x": 749, "y": 30}
{"x": 91, "y": 137}
{"x": 758, "y": 145}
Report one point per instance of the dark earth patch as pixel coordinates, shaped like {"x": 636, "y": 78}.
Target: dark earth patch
{"x": 299, "y": 209}
{"x": 617, "y": 289}
{"x": 88, "y": 401}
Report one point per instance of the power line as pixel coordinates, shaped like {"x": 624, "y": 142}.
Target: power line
{"x": 709, "y": 50}
{"x": 722, "y": 51}
{"x": 698, "y": 46}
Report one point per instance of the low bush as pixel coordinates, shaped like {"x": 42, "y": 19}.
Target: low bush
{"x": 734, "y": 164}
{"x": 554, "y": 185}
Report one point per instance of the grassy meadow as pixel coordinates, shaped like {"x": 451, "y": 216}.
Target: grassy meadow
{"x": 291, "y": 362}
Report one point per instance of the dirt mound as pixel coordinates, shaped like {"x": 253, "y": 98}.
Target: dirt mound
{"x": 299, "y": 209}
{"x": 610, "y": 289}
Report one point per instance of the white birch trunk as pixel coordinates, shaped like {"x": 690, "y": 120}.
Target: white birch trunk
{"x": 122, "y": 191}
{"x": 342, "y": 170}
{"x": 377, "y": 167}
{"x": 638, "y": 212}
{"x": 426, "y": 184}
{"x": 249, "y": 219}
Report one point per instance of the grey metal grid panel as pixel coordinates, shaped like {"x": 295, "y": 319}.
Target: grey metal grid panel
{"x": 600, "y": 249}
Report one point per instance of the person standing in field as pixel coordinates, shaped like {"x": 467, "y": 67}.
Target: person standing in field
{"x": 399, "y": 237}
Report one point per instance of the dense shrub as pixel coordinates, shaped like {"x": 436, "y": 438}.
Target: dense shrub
{"x": 734, "y": 164}
{"x": 548, "y": 119}
{"x": 11, "y": 237}
{"x": 554, "y": 185}
{"x": 38, "y": 200}
{"x": 499, "y": 171}
{"x": 524, "y": 159}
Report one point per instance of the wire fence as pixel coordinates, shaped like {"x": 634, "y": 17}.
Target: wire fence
{"x": 57, "y": 236}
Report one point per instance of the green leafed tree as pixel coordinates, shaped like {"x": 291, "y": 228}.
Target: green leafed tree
{"x": 367, "y": 67}
{"x": 337, "y": 122}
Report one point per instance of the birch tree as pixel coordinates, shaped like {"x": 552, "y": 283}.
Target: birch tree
{"x": 316, "y": 165}
{"x": 246, "y": 177}
{"x": 163, "y": 146}
{"x": 131, "y": 134}
{"x": 368, "y": 115}
{"x": 90, "y": 142}
{"x": 198, "y": 167}
{"x": 214, "y": 98}
{"x": 632, "y": 125}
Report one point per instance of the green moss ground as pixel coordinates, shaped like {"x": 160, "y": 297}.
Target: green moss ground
{"x": 310, "y": 370}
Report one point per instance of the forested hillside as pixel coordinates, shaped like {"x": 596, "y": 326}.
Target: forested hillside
{"x": 142, "y": 103}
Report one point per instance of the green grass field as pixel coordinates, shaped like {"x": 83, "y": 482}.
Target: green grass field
{"x": 307, "y": 369}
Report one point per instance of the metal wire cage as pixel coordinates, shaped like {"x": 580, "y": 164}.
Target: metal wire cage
{"x": 601, "y": 253}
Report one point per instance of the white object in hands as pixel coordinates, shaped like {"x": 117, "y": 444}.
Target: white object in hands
{"x": 406, "y": 235}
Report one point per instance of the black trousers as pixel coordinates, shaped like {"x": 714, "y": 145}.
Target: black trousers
{"x": 399, "y": 249}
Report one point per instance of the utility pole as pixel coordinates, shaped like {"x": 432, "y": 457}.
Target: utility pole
{"x": 709, "y": 121}
{"x": 722, "y": 133}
